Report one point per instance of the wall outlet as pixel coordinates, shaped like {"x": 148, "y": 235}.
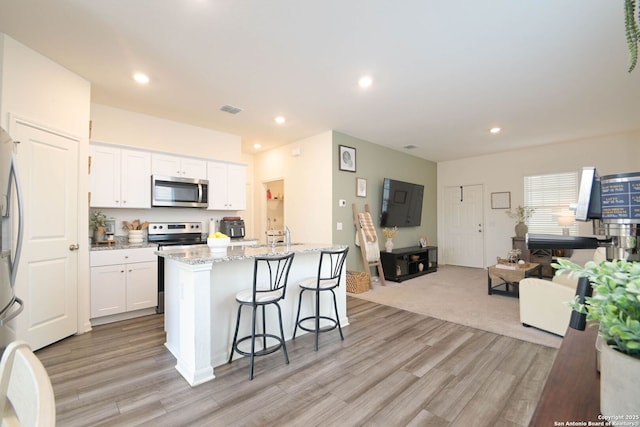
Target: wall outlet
{"x": 342, "y": 203}
{"x": 339, "y": 226}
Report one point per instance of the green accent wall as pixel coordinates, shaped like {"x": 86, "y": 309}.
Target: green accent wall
{"x": 374, "y": 163}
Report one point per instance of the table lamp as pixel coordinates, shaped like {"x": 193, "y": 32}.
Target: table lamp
{"x": 565, "y": 222}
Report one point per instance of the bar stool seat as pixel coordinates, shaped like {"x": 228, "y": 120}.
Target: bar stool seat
{"x": 330, "y": 269}
{"x": 270, "y": 275}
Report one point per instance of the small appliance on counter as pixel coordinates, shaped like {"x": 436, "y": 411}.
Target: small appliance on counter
{"x": 232, "y": 226}
{"x": 110, "y": 229}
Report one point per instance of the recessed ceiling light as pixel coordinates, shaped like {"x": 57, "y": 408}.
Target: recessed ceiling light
{"x": 280, "y": 120}
{"x": 495, "y": 130}
{"x": 365, "y": 81}
{"x": 257, "y": 146}
{"x": 141, "y": 78}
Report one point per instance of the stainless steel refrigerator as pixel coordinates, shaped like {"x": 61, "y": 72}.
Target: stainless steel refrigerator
{"x": 11, "y": 214}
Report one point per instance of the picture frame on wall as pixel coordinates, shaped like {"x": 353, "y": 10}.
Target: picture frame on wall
{"x": 361, "y": 187}
{"x": 347, "y": 159}
{"x": 501, "y": 200}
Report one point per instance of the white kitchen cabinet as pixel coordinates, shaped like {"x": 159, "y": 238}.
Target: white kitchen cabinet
{"x": 183, "y": 167}
{"x": 120, "y": 178}
{"x": 123, "y": 280}
{"x": 227, "y": 186}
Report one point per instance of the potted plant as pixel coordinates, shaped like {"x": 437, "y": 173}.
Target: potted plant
{"x": 615, "y": 307}
{"x": 97, "y": 221}
{"x": 521, "y": 215}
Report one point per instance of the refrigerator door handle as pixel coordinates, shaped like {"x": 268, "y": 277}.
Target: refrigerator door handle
{"x": 5, "y": 316}
{"x": 15, "y": 261}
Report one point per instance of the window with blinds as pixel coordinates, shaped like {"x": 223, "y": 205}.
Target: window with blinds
{"x": 550, "y": 197}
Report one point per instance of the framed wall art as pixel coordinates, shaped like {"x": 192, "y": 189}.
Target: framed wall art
{"x": 347, "y": 158}
{"x": 361, "y": 187}
{"x": 501, "y": 200}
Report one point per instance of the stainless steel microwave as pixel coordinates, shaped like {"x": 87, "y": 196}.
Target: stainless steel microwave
{"x": 179, "y": 192}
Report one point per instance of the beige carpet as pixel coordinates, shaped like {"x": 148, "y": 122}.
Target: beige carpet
{"x": 459, "y": 295}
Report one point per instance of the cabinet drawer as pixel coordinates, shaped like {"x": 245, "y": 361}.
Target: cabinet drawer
{"x": 122, "y": 256}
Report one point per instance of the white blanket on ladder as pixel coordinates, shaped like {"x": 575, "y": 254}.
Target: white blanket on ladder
{"x": 371, "y": 248}
{"x": 368, "y": 231}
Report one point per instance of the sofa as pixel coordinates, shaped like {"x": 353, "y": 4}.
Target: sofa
{"x": 543, "y": 302}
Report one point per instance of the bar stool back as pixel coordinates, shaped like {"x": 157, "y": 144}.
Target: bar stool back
{"x": 270, "y": 275}
{"x": 329, "y": 272}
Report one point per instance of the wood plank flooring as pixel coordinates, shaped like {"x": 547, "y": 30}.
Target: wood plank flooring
{"x": 394, "y": 368}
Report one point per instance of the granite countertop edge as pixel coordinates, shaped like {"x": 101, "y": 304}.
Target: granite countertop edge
{"x": 202, "y": 254}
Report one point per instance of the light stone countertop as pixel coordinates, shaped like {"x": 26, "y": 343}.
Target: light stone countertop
{"x": 202, "y": 254}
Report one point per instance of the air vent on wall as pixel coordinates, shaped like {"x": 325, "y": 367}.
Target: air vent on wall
{"x": 410, "y": 146}
{"x": 230, "y": 109}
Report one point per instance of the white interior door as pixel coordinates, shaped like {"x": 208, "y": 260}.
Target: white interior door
{"x": 464, "y": 226}
{"x": 48, "y": 273}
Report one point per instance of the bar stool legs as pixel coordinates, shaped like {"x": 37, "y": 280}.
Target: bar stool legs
{"x": 277, "y": 269}
{"x": 329, "y": 273}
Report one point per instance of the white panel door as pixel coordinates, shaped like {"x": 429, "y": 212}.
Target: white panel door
{"x": 463, "y": 226}
{"x": 47, "y": 279}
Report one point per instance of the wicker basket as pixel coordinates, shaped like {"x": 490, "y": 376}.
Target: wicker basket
{"x": 357, "y": 282}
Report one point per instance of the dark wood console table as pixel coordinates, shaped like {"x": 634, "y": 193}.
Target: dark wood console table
{"x": 407, "y": 263}
{"x": 572, "y": 390}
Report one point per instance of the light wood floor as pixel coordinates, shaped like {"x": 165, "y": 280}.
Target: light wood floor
{"x": 394, "y": 368}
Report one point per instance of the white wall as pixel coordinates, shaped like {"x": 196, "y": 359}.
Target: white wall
{"x": 37, "y": 89}
{"x": 124, "y": 127}
{"x": 506, "y": 171}
{"x": 307, "y": 187}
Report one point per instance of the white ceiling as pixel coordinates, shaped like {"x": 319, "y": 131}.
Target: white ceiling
{"x": 444, "y": 71}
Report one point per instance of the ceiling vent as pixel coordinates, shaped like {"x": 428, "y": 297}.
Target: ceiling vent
{"x": 230, "y": 109}
{"x": 410, "y": 147}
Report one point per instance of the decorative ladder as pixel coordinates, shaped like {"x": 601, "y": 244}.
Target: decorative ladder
{"x": 363, "y": 247}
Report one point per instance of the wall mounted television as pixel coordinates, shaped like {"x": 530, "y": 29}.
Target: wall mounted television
{"x": 401, "y": 204}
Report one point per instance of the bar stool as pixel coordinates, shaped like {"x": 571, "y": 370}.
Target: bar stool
{"x": 329, "y": 272}
{"x": 270, "y": 275}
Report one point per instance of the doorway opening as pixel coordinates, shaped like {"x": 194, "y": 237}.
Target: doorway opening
{"x": 274, "y": 191}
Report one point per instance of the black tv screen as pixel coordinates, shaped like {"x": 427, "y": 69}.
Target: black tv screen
{"x": 401, "y": 204}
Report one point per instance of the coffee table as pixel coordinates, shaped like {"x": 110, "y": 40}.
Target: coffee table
{"x": 509, "y": 277}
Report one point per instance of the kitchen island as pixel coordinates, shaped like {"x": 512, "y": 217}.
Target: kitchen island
{"x": 200, "y": 305}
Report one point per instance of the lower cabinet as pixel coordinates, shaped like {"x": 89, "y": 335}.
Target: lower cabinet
{"x": 123, "y": 281}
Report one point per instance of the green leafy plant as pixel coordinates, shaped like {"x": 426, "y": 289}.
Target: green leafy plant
{"x": 615, "y": 303}
{"x": 97, "y": 219}
{"x": 632, "y": 31}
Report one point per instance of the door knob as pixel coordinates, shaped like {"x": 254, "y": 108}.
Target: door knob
{"x": 74, "y": 247}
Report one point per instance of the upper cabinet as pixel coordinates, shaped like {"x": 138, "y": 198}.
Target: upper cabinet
{"x": 183, "y": 167}
{"x": 227, "y": 186}
{"x": 120, "y": 177}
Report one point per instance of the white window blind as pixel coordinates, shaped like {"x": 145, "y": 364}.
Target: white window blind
{"x": 550, "y": 197}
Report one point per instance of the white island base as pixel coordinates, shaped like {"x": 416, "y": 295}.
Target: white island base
{"x": 200, "y": 306}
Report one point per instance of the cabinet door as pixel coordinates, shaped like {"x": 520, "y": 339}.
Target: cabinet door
{"x": 108, "y": 290}
{"x": 194, "y": 168}
{"x": 135, "y": 180}
{"x": 217, "y": 176}
{"x": 142, "y": 285}
{"x": 237, "y": 187}
{"x": 162, "y": 164}
{"x": 104, "y": 181}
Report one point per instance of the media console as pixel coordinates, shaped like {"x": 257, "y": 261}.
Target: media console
{"x": 407, "y": 263}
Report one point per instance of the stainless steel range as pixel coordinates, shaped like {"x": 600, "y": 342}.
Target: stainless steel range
{"x": 172, "y": 235}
